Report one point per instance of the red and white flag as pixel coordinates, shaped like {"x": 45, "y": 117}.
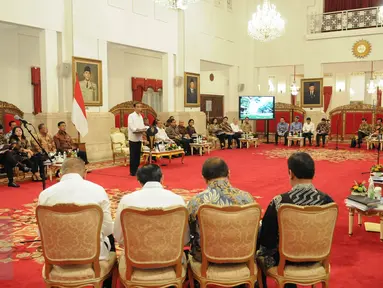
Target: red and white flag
{"x": 78, "y": 111}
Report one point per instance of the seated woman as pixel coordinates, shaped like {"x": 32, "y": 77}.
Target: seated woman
{"x": 191, "y": 130}
{"x": 22, "y": 149}
{"x": 216, "y": 130}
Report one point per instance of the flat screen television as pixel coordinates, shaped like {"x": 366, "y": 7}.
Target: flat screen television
{"x": 257, "y": 107}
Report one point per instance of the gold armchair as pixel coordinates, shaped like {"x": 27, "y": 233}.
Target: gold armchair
{"x": 305, "y": 235}
{"x": 70, "y": 237}
{"x": 153, "y": 241}
{"x": 228, "y": 245}
{"x": 119, "y": 146}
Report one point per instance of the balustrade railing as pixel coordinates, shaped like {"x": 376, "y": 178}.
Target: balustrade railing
{"x": 345, "y": 20}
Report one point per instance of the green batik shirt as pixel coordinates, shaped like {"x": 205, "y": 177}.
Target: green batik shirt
{"x": 365, "y": 128}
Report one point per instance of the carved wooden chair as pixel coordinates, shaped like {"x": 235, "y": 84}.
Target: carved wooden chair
{"x": 153, "y": 241}
{"x": 70, "y": 237}
{"x": 228, "y": 239}
{"x": 305, "y": 235}
{"x": 119, "y": 146}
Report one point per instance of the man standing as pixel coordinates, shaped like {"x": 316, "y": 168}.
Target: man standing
{"x": 219, "y": 192}
{"x": 45, "y": 139}
{"x": 136, "y": 128}
{"x": 282, "y": 130}
{"x": 246, "y": 126}
{"x": 322, "y": 132}
{"x": 192, "y": 93}
{"x": 88, "y": 88}
{"x": 363, "y": 131}
{"x": 308, "y": 131}
{"x": 301, "y": 173}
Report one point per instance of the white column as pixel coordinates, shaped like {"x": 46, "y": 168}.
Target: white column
{"x": 168, "y": 94}
{"x": 180, "y": 63}
{"x": 48, "y": 63}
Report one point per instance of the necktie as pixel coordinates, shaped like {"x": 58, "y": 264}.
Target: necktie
{"x": 87, "y": 83}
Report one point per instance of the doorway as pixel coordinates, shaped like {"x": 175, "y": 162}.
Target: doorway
{"x": 215, "y": 103}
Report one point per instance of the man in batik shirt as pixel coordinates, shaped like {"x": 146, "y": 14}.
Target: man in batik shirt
{"x": 301, "y": 173}
{"x": 363, "y": 131}
{"x": 219, "y": 192}
{"x": 246, "y": 126}
{"x": 225, "y": 126}
{"x": 322, "y": 131}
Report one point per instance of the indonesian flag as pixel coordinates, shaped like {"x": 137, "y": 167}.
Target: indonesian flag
{"x": 78, "y": 111}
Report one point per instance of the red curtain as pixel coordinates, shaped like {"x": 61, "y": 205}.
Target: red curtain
{"x": 327, "y": 90}
{"x": 339, "y": 5}
{"x": 138, "y": 85}
{"x": 36, "y": 82}
{"x": 379, "y": 98}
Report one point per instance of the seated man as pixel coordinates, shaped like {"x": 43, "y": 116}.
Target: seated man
{"x": 64, "y": 142}
{"x": 152, "y": 195}
{"x": 295, "y": 128}
{"x": 161, "y": 135}
{"x": 282, "y": 130}
{"x": 363, "y": 131}
{"x": 225, "y": 126}
{"x": 219, "y": 192}
{"x": 45, "y": 139}
{"x": 235, "y": 127}
{"x": 12, "y": 124}
{"x": 301, "y": 173}
{"x": 174, "y": 134}
{"x": 246, "y": 126}
{"x": 308, "y": 131}
{"x": 181, "y": 129}
{"x": 322, "y": 132}
{"x": 73, "y": 188}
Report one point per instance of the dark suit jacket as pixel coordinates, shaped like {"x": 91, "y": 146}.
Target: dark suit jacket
{"x": 192, "y": 97}
{"x": 311, "y": 99}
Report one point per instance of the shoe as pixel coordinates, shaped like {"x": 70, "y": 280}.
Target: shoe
{"x": 24, "y": 168}
{"x": 13, "y": 185}
{"x": 131, "y": 174}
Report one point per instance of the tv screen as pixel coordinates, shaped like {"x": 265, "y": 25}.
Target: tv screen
{"x": 257, "y": 107}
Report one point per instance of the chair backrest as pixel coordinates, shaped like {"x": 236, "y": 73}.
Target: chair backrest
{"x": 228, "y": 234}
{"x": 118, "y": 141}
{"x": 306, "y": 232}
{"x": 70, "y": 234}
{"x": 154, "y": 238}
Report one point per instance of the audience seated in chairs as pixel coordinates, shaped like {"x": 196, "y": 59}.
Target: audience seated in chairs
{"x": 308, "y": 131}
{"x": 183, "y": 140}
{"x": 303, "y": 193}
{"x": 219, "y": 192}
{"x": 225, "y": 126}
{"x": 215, "y": 130}
{"x": 363, "y": 131}
{"x": 322, "y": 131}
{"x": 237, "y": 130}
{"x": 161, "y": 135}
{"x": 190, "y": 129}
{"x": 74, "y": 189}
{"x": 282, "y": 130}
{"x": 295, "y": 128}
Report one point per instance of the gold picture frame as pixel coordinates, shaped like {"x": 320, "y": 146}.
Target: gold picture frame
{"x": 192, "y": 95}
{"x": 89, "y": 73}
{"x": 312, "y": 93}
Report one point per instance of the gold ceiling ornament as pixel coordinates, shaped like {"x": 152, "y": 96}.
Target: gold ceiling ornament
{"x": 361, "y": 49}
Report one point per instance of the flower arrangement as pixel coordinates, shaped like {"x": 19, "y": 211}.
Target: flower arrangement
{"x": 171, "y": 146}
{"x": 359, "y": 188}
{"x": 377, "y": 168}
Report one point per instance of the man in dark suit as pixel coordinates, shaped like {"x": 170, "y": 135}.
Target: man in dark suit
{"x": 192, "y": 93}
{"x": 312, "y": 96}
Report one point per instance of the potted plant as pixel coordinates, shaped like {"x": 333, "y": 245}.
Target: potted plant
{"x": 377, "y": 170}
{"x": 359, "y": 189}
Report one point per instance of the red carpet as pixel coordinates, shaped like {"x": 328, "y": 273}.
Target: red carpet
{"x": 355, "y": 260}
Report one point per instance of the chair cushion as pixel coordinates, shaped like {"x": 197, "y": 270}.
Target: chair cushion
{"x": 300, "y": 272}
{"x": 142, "y": 275}
{"x": 70, "y": 273}
{"x": 230, "y": 271}
{"x": 124, "y": 150}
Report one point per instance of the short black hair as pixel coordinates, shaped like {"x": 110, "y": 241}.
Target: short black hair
{"x": 297, "y": 117}
{"x": 283, "y": 118}
{"x": 380, "y": 119}
{"x": 191, "y": 81}
{"x": 323, "y": 119}
{"x": 212, "y": 120}
{"x": 214, "y": 168}
{"x": 41, "y": 125}
{"x": 136, "y": 103}
{"x": 308, "y": 118}
{"x": 10, "y": 123}
{"x": 190, "y": 120}
{"x": 1, "y": 127}
{"x": 59, "y": 124}
{"x": 225, "y": 117}
{"x": 364, "y": 119}
{"x": 302, "y": 165}
{"x": 247, "y": 118}
{"x": 149, "y": 173}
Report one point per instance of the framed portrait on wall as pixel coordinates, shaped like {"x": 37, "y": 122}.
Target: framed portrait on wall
{"x": 192, "y": 90}
{"x": 89, "y": 73}
{"x": 312, "y": 93}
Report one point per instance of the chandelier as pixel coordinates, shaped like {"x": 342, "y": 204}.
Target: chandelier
{"x": 176, "y": 4}
{"x": 294, "y": 88}
{"x": 371, "y": 87}
{"x": 266, "y": 24}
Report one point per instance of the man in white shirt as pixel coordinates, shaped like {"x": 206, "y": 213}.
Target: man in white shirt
{"x": 161, "y": 135}
{"x": 152, "y": 195}
{"x": 235, "y": 127}
{"x": 308, "y": 131}
{"x": 74, "y": 189}
{"x": 136, "y": 127}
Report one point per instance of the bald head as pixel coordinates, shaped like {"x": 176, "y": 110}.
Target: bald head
{"x": 73, "y": 165}
{"x": 214, "y": 168}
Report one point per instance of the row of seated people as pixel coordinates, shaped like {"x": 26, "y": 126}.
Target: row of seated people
{"x": 367, "y": 130}
{"x": 307, "y": 130}
{"x": 17, "y": 151}
{"x": 74, "y": 189}
{"x": 225, "y": 131}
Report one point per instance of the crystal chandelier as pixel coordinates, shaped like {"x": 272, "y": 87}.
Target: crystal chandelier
{"x": 176, "y": 4}
{"x": 266, "y": 24}
{"x": 371, "y": 87}
{"x": 294, "y": 88}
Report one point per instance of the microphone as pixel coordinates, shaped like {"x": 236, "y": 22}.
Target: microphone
{"x": 17, "y": 117}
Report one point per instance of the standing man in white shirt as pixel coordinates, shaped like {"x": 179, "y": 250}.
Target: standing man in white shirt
{"x": 136, "y": 127}
{"x": 74, "y": 189}
{"x": 308, "y": 130}
{"x": 152, "y": 195}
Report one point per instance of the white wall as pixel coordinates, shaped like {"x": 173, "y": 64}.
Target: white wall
{"x": 216, "y": 87}
{"x": 125, "y": 63}
{"x": 18, "y": 53}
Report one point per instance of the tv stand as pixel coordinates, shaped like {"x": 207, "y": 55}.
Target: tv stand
{"x": 267, "y": 132}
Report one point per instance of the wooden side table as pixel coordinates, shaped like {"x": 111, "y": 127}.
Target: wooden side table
{"x": 201, "y": 147}
{"x": 159, "y": 155}
{"x": 248, "y": 142}
{"x": 290, "y": 139}
{"x": 373, "y": 212}
{"x": 373, "y": 141}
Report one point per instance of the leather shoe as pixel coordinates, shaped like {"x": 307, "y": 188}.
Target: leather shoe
{"x": 13, "y": 184}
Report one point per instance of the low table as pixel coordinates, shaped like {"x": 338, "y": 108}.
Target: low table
{"x": 290, "y": 139}
{"x": 201, "y": 147}
{"x": 374, "y": 141}
{"x": 373, "y": 212}
{"x": 51, "y": 168}
{"x": 159, "y": 155}
{"x": 248, "y": 142}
